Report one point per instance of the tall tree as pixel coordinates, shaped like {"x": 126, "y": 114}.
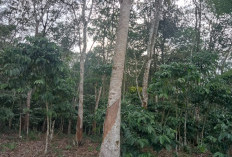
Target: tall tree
{"x": 111, "y": 137}
{"x": 85, "y": 21}
{"x": 150, "y": 49}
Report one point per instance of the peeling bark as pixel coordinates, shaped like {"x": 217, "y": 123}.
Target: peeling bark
{"x": 111, "y": 136}
{"x": 79, "y": 133}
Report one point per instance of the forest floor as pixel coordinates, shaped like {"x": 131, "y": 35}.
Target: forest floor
{"x": 61, "y": 146}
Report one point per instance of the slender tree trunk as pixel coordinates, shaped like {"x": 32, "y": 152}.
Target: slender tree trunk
{"x": 103, "y": 86}
{"x": 136, "y": 78}
{"x": 70, "y": 120}
{"x": 150, "y": 50}
{"x": 10, "y": 123}
{"x": 185, "y": 128}
{"x": 199, "y": 26}
{"x": 224, "y": 60}
{"x": 95, "y": 109}
{"x": 52, "y": 130}
{"x": 43, "y": 126}
{"x": 110, "y": 146}
{"x": 47, "y": 133}
{"x": 20, "y": 125}
{"x": 79, "y": 127}
{"x": 61, "y": 125}
{"x": 37, "y": 28}
{"x": 28, "y": 112}
{"x": 162, "y": 50}
{"x": 69, "y": 126}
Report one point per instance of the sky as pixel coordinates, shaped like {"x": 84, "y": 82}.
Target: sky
{"x": 183, "y": 3}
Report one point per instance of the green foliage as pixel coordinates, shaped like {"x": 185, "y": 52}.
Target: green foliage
{"x": 218, "y": 154}
{"x": 140, "y": 130}
{"x": 34, "y": 135}
{"x": 8, "y": 146}
{"x": 5, "y": 114}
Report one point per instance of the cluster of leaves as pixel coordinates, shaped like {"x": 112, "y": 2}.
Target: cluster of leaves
{"x": 37, "y": 65}
{"x": 141, "y": 130}
{"x": 187, "y": 87}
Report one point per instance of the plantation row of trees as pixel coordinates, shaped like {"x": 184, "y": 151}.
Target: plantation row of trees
{"x": 145, "y": 75}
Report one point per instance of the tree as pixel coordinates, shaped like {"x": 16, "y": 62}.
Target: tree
{"x": 79, "y": 127}
{"x": 150, "y": 49}
{"x": 111, "y": 137}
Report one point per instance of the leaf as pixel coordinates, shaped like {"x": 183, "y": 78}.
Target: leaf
{"x": 161, "y": 139}
{"x": 218, "y": 154}
{"x": 39, "y": 82}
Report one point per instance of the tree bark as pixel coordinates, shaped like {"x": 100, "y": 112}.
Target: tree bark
{"x": 28, "y": 112}
{"x": 69, "y": 126}
{"x": 20, "y": 125}
{"x": 79, "y": 127}
{"x": 185, "y": 128}
{"x": 47, "y": 133}
{"x": 111, "y": 136}
{"x": 95, "y": 109}
{"x": 52, "y": 130}
{"x": 150, "y": 50}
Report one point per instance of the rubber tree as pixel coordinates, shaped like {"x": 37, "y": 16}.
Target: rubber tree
{"x": 150, "y": 49}
{"x": 85, "y": 21}
{"x": 111, "y": 135}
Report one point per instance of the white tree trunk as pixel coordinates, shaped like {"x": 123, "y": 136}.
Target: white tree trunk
{"x": 79, "y": 127}
{"x": 47, "y": 133}
{"x": 110, "y": 146}
{"x": 52, "y": 130}
{"x": 150, "y": 49}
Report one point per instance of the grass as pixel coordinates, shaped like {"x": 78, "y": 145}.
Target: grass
{"x": 90, "y": 148}
{"x": 8, "y": 146}
{"x": 68, "y": 147}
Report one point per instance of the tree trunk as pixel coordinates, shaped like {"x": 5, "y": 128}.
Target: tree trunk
{"x": 43, "y": 126}
{"x": 150, "y": 50}
{"x": 69, "y": 126}
{"x": 79, "y": 127}
{"x": 28, "y": 112}
{"x": 52, "y": 130}
{"x": 37, "y": 28}
{"x": 47, "y": 134}
{"x": 111, "y": 136}
{"x": 185, "y": 128}
{"x": 20, "y": 125}
{"x": 10, "y": 123}
{"x": 61, "y": 125}
{"x": 96, "y": 107}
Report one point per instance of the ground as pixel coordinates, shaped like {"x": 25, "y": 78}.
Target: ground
{"x": 61, "y": 146}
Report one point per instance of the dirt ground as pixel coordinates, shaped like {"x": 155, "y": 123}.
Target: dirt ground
{"x": 12, "y": 146}
{"x": 61, "y": 146}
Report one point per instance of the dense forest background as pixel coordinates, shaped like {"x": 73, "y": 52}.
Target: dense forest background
{"x": 58, "y": 71}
